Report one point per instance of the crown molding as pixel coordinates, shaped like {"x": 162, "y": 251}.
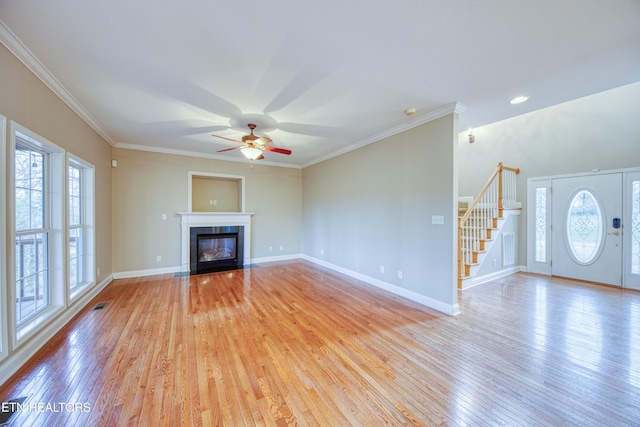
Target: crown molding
{"x": 24, "y": 55}
{"x": 151, "y": 149}
{"x": 454, "y": 107}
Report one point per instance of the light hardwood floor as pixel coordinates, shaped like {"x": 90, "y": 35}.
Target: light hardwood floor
{"x": 292, "y": 343}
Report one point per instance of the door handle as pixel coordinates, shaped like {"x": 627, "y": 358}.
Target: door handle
{"x": 615, "y": 233}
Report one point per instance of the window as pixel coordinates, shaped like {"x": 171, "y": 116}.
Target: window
{"x": 541, "y": 224}
{"x": 79, "y": 222}
{"x": 76, "y": 232}
{"x": 32, "y": 290}
{"x": 37, "y": 278}
{"x": 635, "y": 227}
{"x": 584, "y": 227}
{"x": 4, "y": 327}
{"x": 52, "y": 218}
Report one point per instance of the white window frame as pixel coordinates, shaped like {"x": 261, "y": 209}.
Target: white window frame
{"x": 4, "y": 306}
{"x": 87, "y": 207}
{"x": 55, "y": 212}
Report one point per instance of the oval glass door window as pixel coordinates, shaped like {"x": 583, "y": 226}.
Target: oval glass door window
{"x": 584, "y": 227}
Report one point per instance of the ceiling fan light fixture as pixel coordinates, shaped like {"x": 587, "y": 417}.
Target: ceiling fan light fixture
{"x": 251, "y": 153}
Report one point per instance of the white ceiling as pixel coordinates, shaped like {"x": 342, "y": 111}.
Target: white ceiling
{"x": 318, "y": 77}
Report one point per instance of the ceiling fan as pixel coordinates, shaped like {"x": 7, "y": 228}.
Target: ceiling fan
{"x": 253, "y": 146}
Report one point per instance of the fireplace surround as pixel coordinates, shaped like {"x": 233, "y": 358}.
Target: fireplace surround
{"x": 223, "y": 237}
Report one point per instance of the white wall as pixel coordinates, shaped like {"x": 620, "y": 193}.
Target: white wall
{"x": 372, "y": 207}
{"x": 596, "y": 132}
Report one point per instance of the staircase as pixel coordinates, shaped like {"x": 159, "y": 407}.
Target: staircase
{"x": 481, "y": 219}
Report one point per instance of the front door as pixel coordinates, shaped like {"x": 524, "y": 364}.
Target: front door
{"x": 586, "y": 237}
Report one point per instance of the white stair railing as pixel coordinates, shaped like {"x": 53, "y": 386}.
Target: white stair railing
{"x": 481, "y": 217}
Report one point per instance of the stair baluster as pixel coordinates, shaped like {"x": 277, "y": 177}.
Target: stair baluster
{"x": 481, "y": 217}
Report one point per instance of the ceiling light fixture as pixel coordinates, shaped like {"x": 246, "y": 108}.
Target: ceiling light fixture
{"x": 518, "y": 99}
{"x": 251, "y": 153}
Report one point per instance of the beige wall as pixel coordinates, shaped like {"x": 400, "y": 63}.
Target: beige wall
{"x": 215, "y": 195}
{"x": 372, "y": 207}
{"x": 27, "y": 101}
{"x": 595, "y": 132}
{"x": 147, "y": 185}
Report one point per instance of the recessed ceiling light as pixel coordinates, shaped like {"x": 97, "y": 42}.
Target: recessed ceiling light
{"x": 518, "y": 99}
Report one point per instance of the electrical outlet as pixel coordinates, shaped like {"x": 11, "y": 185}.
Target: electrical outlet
{"x": 495, "y": 262}
{"x": 164, "y": 217}
{"x": 158, "y": 258}
{"x": 399, "y": 274}
{"x": 98, "y": 271}
{"x": 281, "y": 248}
{"x": 270, "y": 248}
{"x": 382, "y": 269}
{"x": 321, "y": 251}
{"x": 437, "y": 219}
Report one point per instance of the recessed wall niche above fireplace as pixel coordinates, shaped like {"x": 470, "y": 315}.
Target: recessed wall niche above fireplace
{"x": 213, "y": 192}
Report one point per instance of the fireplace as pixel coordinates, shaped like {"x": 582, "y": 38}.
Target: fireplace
{"x": 225, "y": 225}
{"x": 216, "y": 248}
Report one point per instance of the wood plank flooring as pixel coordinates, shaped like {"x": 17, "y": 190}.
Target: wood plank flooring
{"x": 291, "y": 343}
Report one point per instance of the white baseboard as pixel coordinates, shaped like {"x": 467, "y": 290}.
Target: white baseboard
{"x": 275, "y": 258}
{"x": 149, "y": 272}
{"x": 470, "y": 283}
{"x": 397, "y": 290}
{"x": 19, "y": 357}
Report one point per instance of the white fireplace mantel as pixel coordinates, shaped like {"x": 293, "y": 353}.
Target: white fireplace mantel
{"x": 213, "y": 219}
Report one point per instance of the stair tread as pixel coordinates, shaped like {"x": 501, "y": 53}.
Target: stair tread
{"x": 471, "y": 250}
{"x": 474, "y": 239}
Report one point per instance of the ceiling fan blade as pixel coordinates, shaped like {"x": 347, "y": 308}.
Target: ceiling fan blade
{"x": 277, "y": 150}
{"x": 307, "y": 129}
{"x": 228, "y": 139}
{"x": 228, "y": 149}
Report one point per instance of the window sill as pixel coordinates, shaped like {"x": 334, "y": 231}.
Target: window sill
{"x": 80, "y": 290}
{"x": 33, "y": 326}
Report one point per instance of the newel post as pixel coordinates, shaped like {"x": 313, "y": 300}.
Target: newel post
{"x": 500, "y": 195}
